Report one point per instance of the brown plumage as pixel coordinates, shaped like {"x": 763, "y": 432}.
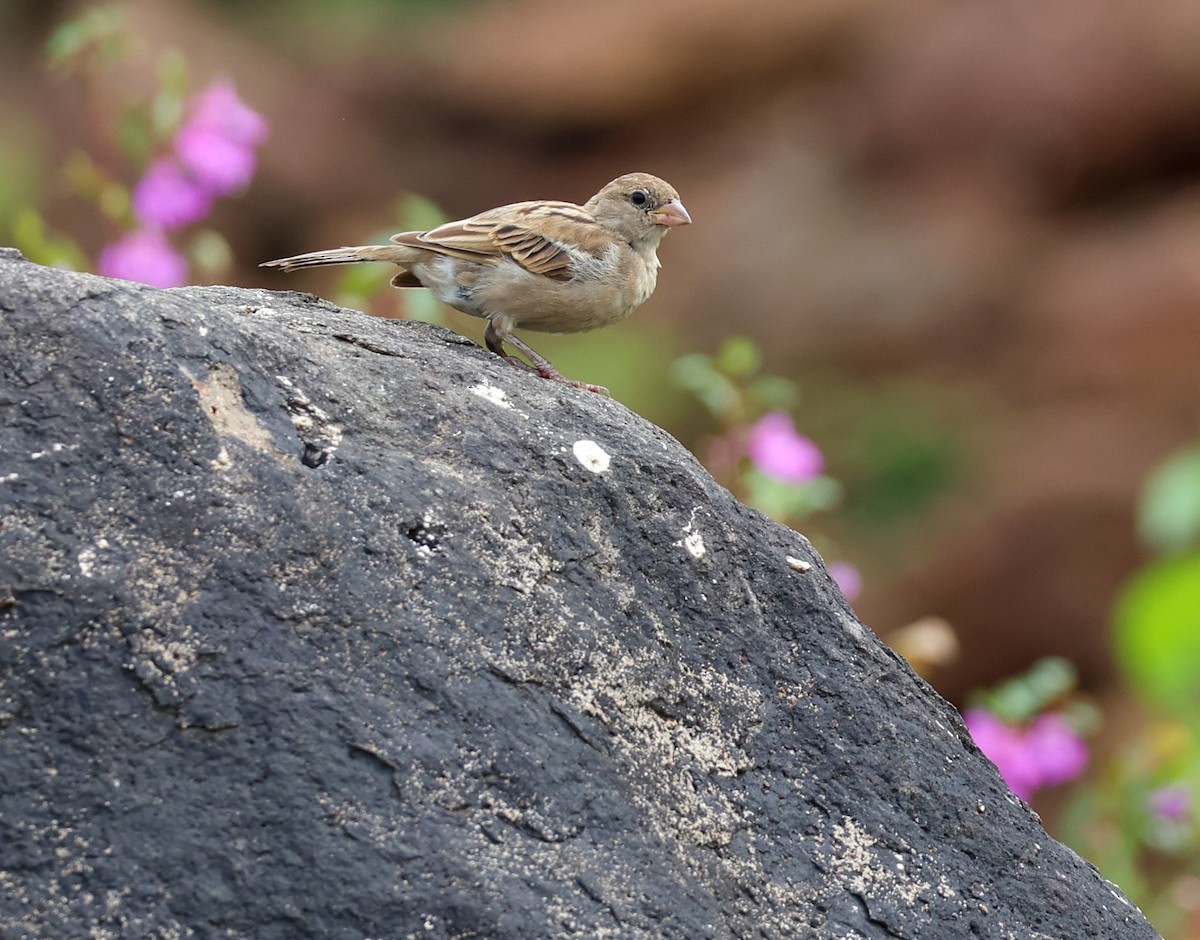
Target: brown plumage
{"x": 549, "y": 266}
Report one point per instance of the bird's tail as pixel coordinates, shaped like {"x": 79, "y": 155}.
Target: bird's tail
{"x": 394, "y": 253}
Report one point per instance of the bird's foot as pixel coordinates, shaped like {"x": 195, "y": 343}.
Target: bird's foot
{"x": 586, "y": 386}
{"x": 547, "y": 371}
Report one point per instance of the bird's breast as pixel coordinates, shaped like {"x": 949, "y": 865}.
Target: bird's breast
{"x": 602, "y": 289}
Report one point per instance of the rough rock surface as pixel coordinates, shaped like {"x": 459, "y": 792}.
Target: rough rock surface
{"x": 314, "y": 625}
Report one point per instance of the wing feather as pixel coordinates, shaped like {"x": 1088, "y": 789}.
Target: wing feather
{"x": 543, "y": 237}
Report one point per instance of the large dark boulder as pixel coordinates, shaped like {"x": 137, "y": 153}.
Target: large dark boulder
{"x": 317, "y": 625}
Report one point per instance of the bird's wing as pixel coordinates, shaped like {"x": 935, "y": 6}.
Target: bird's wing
{"x": 543, "y": 237}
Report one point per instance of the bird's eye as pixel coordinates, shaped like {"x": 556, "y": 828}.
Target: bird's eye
{"x": 639, "y": 197}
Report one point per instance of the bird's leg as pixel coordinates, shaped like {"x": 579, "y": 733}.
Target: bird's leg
{"x": 495, "y": 342}
{"x": 537, "y": 364}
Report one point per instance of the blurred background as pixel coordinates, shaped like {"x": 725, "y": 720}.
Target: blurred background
{"x": 960, "y": 243}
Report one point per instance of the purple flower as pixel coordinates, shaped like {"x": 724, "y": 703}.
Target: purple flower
{"x": 218, "y": 140}
{"x": 847, "y": 577}
{"x": 1055, "y": 749}
{"x": 220, "y": 108}
{"x": 1046, "y": 753}
{"x": 170, "y": 196}
{"x": 1171, "y": 803}
{"x": 778, "y": 451}
{"x": 144, "y": 256}
{"x": 222, "y": 165}
{"x": 214, "y": 156}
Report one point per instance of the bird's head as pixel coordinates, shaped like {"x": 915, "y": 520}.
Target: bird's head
{"x": 638, "y": 207}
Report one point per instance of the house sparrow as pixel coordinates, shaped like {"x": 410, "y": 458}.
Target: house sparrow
{"x": 550, "y": 266}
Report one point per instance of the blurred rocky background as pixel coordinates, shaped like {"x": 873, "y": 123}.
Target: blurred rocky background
{"x": 969, "y": 232}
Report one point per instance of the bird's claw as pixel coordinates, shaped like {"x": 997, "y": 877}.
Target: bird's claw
{"x": 598, "y": 389}
{"x": 549, "y": 372}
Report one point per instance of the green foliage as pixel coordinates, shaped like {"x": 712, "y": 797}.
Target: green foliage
{"x": 736, "y": 393}
{"x": 782, "y": 500}
{"x": 729, "y": 384}
{"x": 22, "y": 160}
{"x": 1048, "y": 684}
{"x": 1157, "y": 634}
{"x": 1137, "y": 821}
{"x": 94, "y": 184}
{"x": 210, "y": 254}
{"x": 697, "y": 373}
{"x": 1156, "y": 622}
{"x": 1170, "y": 514}
{"x": 1114, "y": 823}
{"x": 98, "y": 34}
{"x": 31, "y": 238}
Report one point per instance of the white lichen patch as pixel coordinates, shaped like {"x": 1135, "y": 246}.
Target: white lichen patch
{"x": 313, "y": 424}
{"x": 869, "y": 872}
{"x": 680, "y": 755}
{"x": 798, "y": 564}
{"x": 693, "y": 544}
{"x": 52, "y": 449}
{"x": 692, "y": 541}
{"x": 307, "y": 417}
{"x": 87, "y": 557}
{"x": 497, "y": 396}
{"x": 591, "y": 455}
{"x": 163, "y": 584}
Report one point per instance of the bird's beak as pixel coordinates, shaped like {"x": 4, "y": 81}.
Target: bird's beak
{"x": 670, "y": 215}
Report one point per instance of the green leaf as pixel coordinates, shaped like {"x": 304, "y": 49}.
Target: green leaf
{"x": 1157, "y": 633}
{"x": 210, "y": 254}
{"x": 1020, "y": 698}
{"x": 100, "y": 28}
{"x": 173, "y": 73}
{"x": 774, "y": 393}
{"x": 114, "y": 201}
{"x": 164, "y": 114}
{"x": 738, "y": 356}
{"x": 1052, "y": 677}
{"x": 1170, "y": 512}
{"x": 57, "y": 251}
{"x": 135, "y": 133}
{"x": 695, "y": 373}
{"x": 785, "y": 501}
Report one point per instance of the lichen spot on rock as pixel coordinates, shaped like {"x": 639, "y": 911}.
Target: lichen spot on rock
{"x": 491, "y": 393}
{"x": 591, "y": 455}
{"x": 693, "y": 544}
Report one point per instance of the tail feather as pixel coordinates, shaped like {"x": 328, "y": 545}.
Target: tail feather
{"x": 313, "y": 259}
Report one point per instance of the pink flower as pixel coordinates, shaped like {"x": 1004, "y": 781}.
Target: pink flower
{"x": 170, "y": 196}
{"x": 778, "y": 451}
{"x": 220, "y": 109}
{"x": 222, "y": 165}
{"x": 1046, "y": 753}
{"x": 1172, "y": 803}
{"x": 1055, "y": 749}
{"x": 144, "y": 256}
{"x": 847, "y": 577}
{"x": 214, "y": 156}
{"x": 218, "y": 140}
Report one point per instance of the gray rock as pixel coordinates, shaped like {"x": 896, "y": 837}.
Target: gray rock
{"x": 319, "y": 625}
